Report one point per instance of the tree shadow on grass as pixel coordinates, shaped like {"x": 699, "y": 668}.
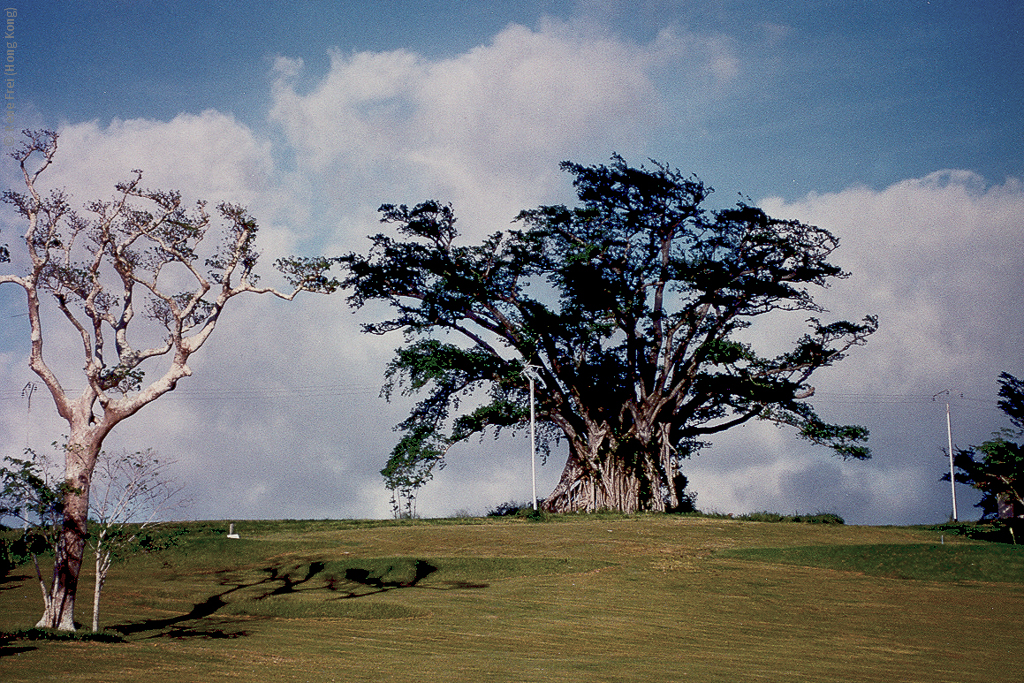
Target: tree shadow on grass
{"x": 197, "y": 622}
{"x": 7, "y": 649}
{"x": 9, "y": 582}
{"x": 206, "y": 620}
{"x": 190, "y": 625}
{"x": 368, "y": 578}
{"x": 46, "y": 634}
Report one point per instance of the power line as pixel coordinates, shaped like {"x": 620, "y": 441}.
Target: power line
{"x": 237, "y": 393}
{"x": 314, "y": 391}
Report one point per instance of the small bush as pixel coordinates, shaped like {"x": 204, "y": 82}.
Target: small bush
{"x": 521, "y": 510}
{"x": 508, "y": 509}
{"x": 52, "y": 634}
{"x": 528, "y": 512}
{"x": 994, "y": 531}
{"x": 819, "y": 518}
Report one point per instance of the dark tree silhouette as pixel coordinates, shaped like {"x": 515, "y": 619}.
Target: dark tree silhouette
{"x": 627, "y": 306}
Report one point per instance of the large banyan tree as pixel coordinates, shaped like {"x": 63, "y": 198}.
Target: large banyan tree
{"x": 627, "y": 307}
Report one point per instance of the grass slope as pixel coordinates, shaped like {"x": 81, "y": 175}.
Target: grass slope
{"x": 648, "y": 598}
{"x": 922, "y": 561}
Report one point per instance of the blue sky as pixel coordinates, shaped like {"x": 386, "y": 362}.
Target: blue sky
{"x": 831, "y": 94}
{"x": 895, "y": 125}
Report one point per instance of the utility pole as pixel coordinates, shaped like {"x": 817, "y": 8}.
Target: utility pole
{"x": 26, "y": 392}
{"x": 952, "y": 477}
{"x": 949, "y": 441}
{"x": 531, "y": 374}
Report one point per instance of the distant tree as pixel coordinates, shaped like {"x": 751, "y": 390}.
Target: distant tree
{"x": 628, "y": 306}
{"x": 404, "y": 479}
{"x": 130, "y": 492}
{"x": 1011, "y": 400}
{"x": 135, "y": 268}
{"x": 996, "y": 467}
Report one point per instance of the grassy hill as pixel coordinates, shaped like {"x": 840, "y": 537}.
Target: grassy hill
{"x": 646, "y": 598}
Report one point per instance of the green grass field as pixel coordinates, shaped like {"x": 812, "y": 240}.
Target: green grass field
{"x": 647, "y": 598}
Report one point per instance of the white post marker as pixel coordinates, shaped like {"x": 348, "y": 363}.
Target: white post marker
{"x": 231, "y": 531}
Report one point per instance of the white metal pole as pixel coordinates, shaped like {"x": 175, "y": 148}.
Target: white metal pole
{"x": 28, "y": 391}
{"x": 952, "y": 477}
{"x": 533, "y": 442}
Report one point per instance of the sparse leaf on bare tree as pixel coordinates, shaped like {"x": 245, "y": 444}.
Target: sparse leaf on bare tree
{"x": 142, "y": 255}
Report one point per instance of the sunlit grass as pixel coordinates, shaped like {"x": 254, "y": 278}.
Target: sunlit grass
{"x": 604, "y": 598}
{"x": 927, "y": 561}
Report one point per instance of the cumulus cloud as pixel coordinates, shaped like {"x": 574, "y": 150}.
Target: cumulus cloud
{"x": 208, "y": 154}
{"x": 282, "y": 416}
{"x": 250, "y": 451}
{"x": 484, "y": 129}
{"x": 938, "y": 259}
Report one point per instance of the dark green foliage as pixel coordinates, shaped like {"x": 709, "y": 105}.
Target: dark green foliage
{"x": 777, "y": 517}
{"x": 996, "y": 467}
{"x": 818, "y": 518}
{"x": 1011, "y": 399}
{"x": 524, "y": 510}
{"x": 31, "y": 634}
{"x": 992, "y": 530}
{"x": 507, "y": 509}
{"x": 17, "y": 548}
{"x": 131, "y": 539}
{"x": 627, "y": 306}
{"x": 26, "y": 495}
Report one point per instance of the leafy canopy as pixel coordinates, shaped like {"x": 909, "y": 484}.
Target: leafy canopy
{"x": 996, "y": 467}
{"x": 628, "y": 305}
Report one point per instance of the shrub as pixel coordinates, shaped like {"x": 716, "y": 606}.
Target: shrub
{"x": 508, "y": 509}
{"x": 819, "y": 518}
{"x": 993, "y": 531}
{"x": 52, "y": 634}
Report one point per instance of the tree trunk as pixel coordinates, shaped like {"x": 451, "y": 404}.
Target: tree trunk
{"x": 623, "y": 478}
{"x": 102, "y": 567}
{"x": 59, "y": 611}
{"x": 67, "y": 565}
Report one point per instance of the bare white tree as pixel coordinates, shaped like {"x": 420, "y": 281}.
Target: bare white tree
{"x": 140, "y": 256}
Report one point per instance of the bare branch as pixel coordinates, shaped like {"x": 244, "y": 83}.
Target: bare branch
{"x": 140, "y": 251}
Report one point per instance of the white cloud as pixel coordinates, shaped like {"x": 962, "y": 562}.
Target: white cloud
{"x": 235, "y": 450}
{"x": 210, "y": 155}
{"x": 282, "y": 416}
{"x": 939, "y": 259}
{"x": 484, "y": 129}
